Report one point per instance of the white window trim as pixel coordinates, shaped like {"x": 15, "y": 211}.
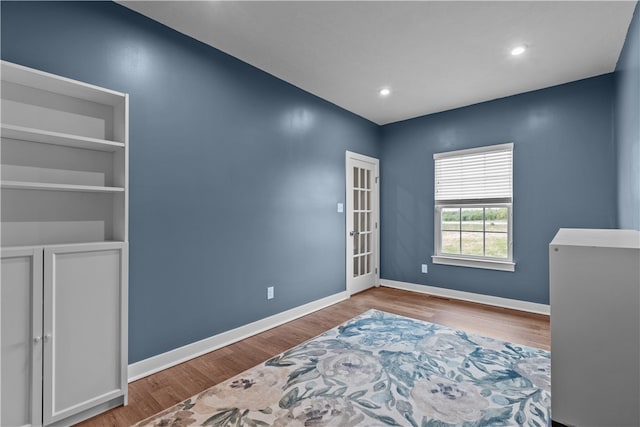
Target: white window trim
{"x": 484, "y": 262}
{"x": 475, "y": 263}
{"x": 483, "y": 149}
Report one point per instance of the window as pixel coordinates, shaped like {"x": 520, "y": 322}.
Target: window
{"x": 473, "y": 207}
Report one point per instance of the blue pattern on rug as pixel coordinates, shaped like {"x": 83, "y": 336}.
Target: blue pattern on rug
{"x": 381, "y": 369}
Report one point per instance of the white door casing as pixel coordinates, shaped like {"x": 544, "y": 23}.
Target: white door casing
{"x": 362, "y": 222}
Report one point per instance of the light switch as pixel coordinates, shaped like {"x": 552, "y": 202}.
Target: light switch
{"x": 340, "y": 207}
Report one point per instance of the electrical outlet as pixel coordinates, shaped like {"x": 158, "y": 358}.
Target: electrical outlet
{"x": 425, "y": 268}
{"x": 270, "y": 292}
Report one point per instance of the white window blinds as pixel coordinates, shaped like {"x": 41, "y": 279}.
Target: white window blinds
{"x": 477, "y": 174}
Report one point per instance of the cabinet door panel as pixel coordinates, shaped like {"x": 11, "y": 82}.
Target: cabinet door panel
{"x": 83, "y": 311}
{"x": 21, "y": 329}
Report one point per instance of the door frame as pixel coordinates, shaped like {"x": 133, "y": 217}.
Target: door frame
{"x": 349, "y": 155}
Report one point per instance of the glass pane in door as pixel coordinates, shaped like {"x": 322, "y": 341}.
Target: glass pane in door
{"x": 362, "y": 224}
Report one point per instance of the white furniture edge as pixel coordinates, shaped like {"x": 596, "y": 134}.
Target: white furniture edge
{"x": 527, "y": 306}
{"x": 179, "y": 355}
{"x": 47, "y": 186}
{"x": 26, "y": 76}
{"x": 57, "y": 138}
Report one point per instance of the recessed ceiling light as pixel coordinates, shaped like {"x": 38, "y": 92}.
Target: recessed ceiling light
{"x": 518, "y": 50}
{"x": 385, "y": 91}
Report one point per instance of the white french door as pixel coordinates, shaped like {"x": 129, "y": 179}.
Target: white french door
{"x": 362, "y": 213}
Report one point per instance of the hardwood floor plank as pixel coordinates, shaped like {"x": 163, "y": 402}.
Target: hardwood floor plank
{"x": 161, "y": 390}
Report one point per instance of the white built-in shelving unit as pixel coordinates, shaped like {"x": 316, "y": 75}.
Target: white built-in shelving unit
{"x": 64, "y": 236}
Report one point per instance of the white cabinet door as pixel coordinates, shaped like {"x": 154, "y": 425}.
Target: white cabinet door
{"x": 21, "y": 336}
{"x": 84, "y": 306}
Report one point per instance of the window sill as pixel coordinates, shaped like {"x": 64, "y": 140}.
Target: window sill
{"x": 474, "y": 263}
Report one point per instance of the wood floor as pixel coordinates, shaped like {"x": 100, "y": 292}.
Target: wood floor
{"x": 164, "y": 389}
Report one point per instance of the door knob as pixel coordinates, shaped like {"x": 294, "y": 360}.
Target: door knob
{"x": 354, "y": 233}
{"x": 37, "y": 339}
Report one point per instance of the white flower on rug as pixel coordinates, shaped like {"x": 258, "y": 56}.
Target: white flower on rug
{"x": 445, "y": 345}
{"x": 538, "y": 370}
{"x": 448, "y": 401}
{"x": 351, "y": 367}
{"x": 489, "y": 343}
{"x": 320, "y": 411}
{"x": 255, "y": 389}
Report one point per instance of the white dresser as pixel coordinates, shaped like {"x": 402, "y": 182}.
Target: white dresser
{"x": 595, "y": 327}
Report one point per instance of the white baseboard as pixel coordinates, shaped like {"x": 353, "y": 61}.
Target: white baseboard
{"x": 179, "y": 355}
{"x": 530, "y": 307}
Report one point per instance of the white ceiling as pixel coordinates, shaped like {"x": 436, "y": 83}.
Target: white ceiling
{"x": 434, "y": 55}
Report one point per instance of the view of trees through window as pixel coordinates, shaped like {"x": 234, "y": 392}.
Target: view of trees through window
{"x": 479, "y": 231}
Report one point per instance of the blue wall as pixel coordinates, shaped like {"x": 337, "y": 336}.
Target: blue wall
{"x": 627, "y": 127}
{"x": 564, "y": 176}
{"x": 234, "y": 174}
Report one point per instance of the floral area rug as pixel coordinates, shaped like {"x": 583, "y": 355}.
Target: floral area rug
{"x": 380, "y": 369}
